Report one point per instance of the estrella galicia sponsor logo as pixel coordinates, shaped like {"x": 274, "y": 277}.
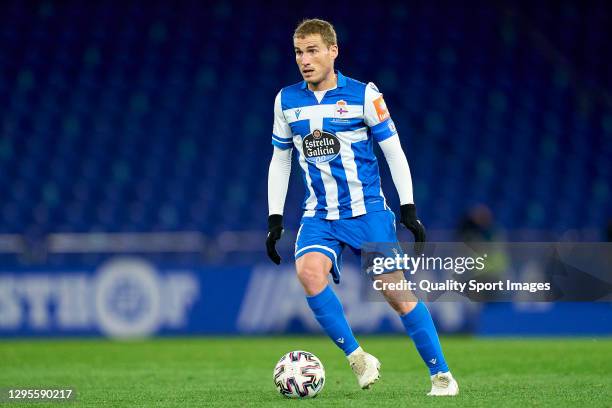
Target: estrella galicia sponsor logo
{"x": 320, "y": 147}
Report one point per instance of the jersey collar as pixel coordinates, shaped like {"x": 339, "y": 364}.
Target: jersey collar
{"x": 341, "y": 81}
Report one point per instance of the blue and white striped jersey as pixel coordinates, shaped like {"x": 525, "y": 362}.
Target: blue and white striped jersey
{"x": 334, "y": 143}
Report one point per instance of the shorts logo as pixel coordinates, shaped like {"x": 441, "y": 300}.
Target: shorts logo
{"x": 320, "y": 147}
{"x": 381, "y": 108}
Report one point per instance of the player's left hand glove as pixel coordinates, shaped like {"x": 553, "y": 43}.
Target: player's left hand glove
{"x": 409, "y": 219}
{"x": 275, "y": 230}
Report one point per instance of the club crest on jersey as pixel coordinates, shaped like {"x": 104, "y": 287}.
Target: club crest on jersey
{"x": 341, "y": 108}
{"x": 320, "y": 147}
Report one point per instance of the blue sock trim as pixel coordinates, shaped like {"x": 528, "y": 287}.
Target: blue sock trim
{"x": 329, "y": 313}
{"x": 420, "y": 327}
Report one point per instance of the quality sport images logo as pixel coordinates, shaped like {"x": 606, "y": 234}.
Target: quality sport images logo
{"x": 320, "y": 147}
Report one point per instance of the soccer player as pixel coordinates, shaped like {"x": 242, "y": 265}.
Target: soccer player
{"x": 332, "y": 121}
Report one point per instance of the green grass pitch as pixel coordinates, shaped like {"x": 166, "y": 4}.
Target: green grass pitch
{"x": 237, "y": 372}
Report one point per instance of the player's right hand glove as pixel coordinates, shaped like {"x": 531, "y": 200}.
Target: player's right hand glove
{"x": 409, "y": 218}
{"x": 275, "y": 230}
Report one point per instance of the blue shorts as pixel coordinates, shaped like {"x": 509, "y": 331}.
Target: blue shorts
{"x": 329, "y": 237}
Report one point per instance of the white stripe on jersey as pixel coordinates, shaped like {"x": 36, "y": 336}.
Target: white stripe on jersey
{"x": 350, "y": 167}
{"x": 279, "y": 140}
{"x": 329, "y": 182}
{"x": 311, "y": 201}
{"x": 317, "y": 112}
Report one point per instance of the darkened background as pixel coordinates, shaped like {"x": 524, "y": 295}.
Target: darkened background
{"x": 141, "y": 116}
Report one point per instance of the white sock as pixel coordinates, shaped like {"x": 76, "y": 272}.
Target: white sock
{"x": 355, "y": 352}
{"x": 446, "y": 372}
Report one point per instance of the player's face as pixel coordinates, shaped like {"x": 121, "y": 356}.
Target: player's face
{"x": 315, "y": 59}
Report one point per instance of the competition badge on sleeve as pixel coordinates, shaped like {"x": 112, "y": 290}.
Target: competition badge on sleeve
{"x": 381, "y": 109}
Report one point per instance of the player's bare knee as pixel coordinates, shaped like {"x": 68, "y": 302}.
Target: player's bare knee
{"x": 312, "y": 270}
{"x": 401, "y": 300}
{"x": 402, "y": 307}
{"x": 310, "y": 274}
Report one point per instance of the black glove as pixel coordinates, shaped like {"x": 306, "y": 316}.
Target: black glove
{"x": 275, "y": 230}
{"x": 409, "y": 219}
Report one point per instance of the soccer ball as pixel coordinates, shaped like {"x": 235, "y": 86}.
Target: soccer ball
{"x": 299, "y": 374}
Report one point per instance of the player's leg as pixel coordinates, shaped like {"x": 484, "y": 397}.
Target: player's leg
{"x": 313, "y": 270}
{"x": 318, "y": 255}
{"x": 420, "y": 327}
{"x": 417, "y": 321}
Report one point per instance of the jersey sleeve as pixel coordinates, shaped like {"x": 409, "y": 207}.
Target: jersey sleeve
{"x": 376, "y": 115}
{"x": 281, "y": 132}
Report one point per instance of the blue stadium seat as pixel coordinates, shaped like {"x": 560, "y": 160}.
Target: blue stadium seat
{"x": 148, "y": 116}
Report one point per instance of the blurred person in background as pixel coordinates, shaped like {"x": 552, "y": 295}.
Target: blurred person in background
{"x": 477, "y": 229}
{"x": 477, "y": 225}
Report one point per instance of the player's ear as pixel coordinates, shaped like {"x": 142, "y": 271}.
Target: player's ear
{"x": 333, "y": 50}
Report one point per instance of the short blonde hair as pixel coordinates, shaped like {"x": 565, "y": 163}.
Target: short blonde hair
{"x": 316, "y": 26}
